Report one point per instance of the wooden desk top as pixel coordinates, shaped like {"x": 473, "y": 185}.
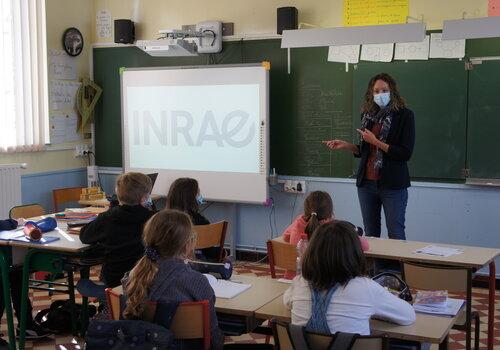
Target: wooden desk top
{"x": 263, "y": 291}
{"x": 427, "y": 328}
{"x": 471, "y": 257}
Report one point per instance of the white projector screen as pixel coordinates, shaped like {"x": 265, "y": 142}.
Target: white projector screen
{"x": 209, "y": 123}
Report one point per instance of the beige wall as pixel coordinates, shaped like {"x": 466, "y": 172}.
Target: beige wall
{"x": 61, "y": 14}
{"x": 258, "y": 17}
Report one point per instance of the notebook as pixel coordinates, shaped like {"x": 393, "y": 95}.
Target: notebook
{"x": 451, "y": 309}
{"x": 226, "y": 289}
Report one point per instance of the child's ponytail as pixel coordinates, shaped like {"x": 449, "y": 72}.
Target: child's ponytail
{"x": 318, "y": 209}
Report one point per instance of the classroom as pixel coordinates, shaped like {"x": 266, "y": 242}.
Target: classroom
{"x": 285, "y": 122}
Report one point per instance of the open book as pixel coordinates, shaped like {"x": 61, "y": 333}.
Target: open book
{"x": 226, "y": 289}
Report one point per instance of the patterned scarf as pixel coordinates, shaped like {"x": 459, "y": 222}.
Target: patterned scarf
{"x": 383, "y": 116}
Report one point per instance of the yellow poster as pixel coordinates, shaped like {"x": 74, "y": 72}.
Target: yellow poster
{"x": 374, "y": 12}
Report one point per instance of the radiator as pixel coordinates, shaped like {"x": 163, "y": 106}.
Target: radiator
{"x": 10, "y": 188}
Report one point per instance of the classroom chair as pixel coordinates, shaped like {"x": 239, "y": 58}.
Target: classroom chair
{"x": 212, "y": 235}
{"x": 454, "y": 279}
{"x": 282, "y": 255}
{"x": 283, "y": 339}
{"x": 191, "y": 320}
{"x": 64, "y": 195}
{"x": 26, "y": 211}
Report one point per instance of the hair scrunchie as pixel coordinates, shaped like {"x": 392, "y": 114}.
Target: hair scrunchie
{"x": 314, "y": 214}
{"x": 152, "y": 254}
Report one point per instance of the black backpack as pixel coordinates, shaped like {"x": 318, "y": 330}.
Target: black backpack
{"x": 57, "y": 318}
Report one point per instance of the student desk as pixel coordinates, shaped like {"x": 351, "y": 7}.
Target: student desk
{"x": 473, "y": 258}
{"x": 427, "y": 328}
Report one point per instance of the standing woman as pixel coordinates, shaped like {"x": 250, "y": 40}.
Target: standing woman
{"x": 387, "y": 137}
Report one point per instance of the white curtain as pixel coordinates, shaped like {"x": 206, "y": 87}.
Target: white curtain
{"x": 23, "y": 76}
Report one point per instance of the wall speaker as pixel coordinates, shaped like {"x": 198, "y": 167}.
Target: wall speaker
{"x": 124, "y": 31}
{"x": 287, "y": 18}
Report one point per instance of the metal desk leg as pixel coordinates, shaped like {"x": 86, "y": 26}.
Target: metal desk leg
{"x": 444, "y": 344}
{"x": 4, "y": 266}
{"x": 24, "y": 297}
{"x": 491, "y": 305}
{"x": 84, "y": 274}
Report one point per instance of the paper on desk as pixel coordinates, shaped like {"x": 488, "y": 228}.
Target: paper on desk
{"x": 285, "y": 280}
{"x": 8, "y": 235}
{"x": 439, "y": 251}
{"x": 226, "y": 289}
{"x": 451, "y": 309}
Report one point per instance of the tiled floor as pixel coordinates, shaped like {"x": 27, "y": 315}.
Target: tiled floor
{"x": 66, "y": 342}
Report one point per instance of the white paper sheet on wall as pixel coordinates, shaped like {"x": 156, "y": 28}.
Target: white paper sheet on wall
{"x": 412, "y": 51}
{"x": 63, "y": 94}
{"x": 440, "y": 48}
{"x": 377, "y": 52}
{"x": 64, "y": 127}
{"x": 61, "y": 65}
{"x": 344, "y": 53}
{"x": 103, "y": 24}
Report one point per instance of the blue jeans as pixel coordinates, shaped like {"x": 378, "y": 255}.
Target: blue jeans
{"x": 372, "y": 199}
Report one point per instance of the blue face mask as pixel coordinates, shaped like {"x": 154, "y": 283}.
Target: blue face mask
{"x": 382, "y": 99}
{"x": 200, "y": 199}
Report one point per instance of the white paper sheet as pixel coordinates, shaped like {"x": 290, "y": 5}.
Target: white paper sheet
{"x": 412, "y": 51}
{"x": 446, "y": 48}
{"x": 344, "y": 53}
{"x": 61, "y": 65}
{"x": 377, "y": 52}
{"x": 63, "y": 94}
{"x": 63, "y": 127}
{"x": 226, "y": 289}
{"x": 103, "y": 24}
{"x": 438, "y": 251}
{"x": 451, "y": 309}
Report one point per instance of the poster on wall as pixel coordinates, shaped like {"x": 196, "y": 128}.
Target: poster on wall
{"x": 64, "y": 127}
{"x": 63, "y": 94}
{"x": 375, "y": 12}
{"x": 61, "y": 65}
{"x": 103, "y": 24}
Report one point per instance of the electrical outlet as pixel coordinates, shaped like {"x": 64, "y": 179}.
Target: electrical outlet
{"x": 295, "y": 186}
{"x": 81, "y": 150}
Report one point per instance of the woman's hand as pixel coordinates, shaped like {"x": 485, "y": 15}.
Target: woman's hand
{"x": 341, "y": 144}
{"x": 337, "y": 144}
{"x": 368, "y": 136}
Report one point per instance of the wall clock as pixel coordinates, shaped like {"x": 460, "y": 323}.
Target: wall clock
{"x": 72, "y": 41}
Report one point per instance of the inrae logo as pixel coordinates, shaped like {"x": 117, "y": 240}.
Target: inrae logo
{"x": 180, "y": 125}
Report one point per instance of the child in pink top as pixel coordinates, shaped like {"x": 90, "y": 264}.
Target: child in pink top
{"x": 318, "y": 209}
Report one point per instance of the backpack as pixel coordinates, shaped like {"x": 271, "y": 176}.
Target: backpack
{"x": 57, "y": 318}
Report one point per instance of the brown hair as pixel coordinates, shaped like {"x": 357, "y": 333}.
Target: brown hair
{"x": 182, "y": 195}
{"x": 320, "y": 203}
{"x": 334, "y": 255}
{"x": 132, "y": 187}
{"x": 169, "y": 233}
{"x": 397, "y": 102}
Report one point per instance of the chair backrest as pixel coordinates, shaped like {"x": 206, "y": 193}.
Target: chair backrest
{"x": 63, "y": 195}
{"x": 318, "y": 341}
{"x": 432, "y": 277}
{"x": 282, "y": 255}
{"x": 26, "y": 211}
{"x": 191, "y": 319}
{"x": 211, "y": 235}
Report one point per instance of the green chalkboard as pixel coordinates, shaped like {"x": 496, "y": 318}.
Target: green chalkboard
{"x": 483, "y": 156}
{"x": 436, "y": 91}
{"x": 309, "y": 105}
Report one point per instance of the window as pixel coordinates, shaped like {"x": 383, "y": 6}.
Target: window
{"x": 23, "y": 76}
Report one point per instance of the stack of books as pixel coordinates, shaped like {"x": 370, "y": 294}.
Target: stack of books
{"x": 437, "y": 303}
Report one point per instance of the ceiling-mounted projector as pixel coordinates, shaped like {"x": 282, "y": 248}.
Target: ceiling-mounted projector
{"x": 207, "y": 38}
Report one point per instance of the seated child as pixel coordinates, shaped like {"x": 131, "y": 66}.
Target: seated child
{"x": 161, "y": 275}
{"x": 33, "y": 330}
{"x": 318, "y": 209}
{"x": 118, "y": 231}
{"x": 333, "y": 294}
{"x": 184, "y": 195}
